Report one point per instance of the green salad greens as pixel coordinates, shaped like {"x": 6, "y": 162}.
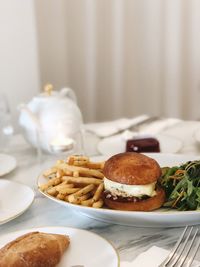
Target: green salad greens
{"x": 182, "y": 186}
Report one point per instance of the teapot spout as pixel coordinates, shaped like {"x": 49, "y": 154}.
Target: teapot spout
{"x": 32, "y": 117}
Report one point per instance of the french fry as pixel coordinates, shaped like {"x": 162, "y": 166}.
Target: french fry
{"x": 82, "y": 198}
{"x": 77, "y": 180}
{"x": 52, "y": 191}
{"x": 78, "y": 199}
{"x": 87, "y": 202}
{"x": 67, "y": 191}
{"x": 98, "y": 204}
{"x": 82, "y": 180}
{"x": 98, "y": 192}
{"x": 77, "y": 196}
{"x": 60, "y": 196}
{"x": 95, "y": 165}
{"x": 52, "y": 182}
{"x": 59, "y": 173}
{"x": 78, "y": 160}
{"x": 67, "y": 172}
{"x": 50, "y": 172}
{"x": 63, "y": 184}
{"x": 76, "y": 173}
{"x": 69, "y": 169}
{"x": 86, "y": 171}
{"x": 84, "y": 190}
{"x": 92, "y": 173}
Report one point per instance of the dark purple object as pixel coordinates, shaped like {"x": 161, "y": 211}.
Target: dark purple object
{"x": 141, "y": 145}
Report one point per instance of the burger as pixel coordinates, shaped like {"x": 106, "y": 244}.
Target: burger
{"x": 131, "y": 182}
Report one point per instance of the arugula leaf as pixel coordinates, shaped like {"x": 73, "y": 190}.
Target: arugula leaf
{"x": 182, "y": 186}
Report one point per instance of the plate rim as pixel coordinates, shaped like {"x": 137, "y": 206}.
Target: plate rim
{"x": 168, "y": 211}
{"x": 27, "y": 207}
{"x": 65, "y": 228}
{"x": 14, "y": 164}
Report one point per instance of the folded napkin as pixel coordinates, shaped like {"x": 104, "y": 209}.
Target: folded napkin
{"x": 159, "y": 125}
{"x": 151, "y": 258}
{"x": 105, "y": 129}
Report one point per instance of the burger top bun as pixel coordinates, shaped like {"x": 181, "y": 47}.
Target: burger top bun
{"x": 132, "y": 169}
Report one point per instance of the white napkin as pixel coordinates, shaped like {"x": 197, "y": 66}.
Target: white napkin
{"x": 159, "y": 125}
{"x": 151, "y": 258}
{"x": 104, "y": 129}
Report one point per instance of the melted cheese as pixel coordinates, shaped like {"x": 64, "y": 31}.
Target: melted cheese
{"x": 124, "y": 190}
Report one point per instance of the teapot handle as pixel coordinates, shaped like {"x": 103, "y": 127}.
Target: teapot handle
{"x": 69, "y": 93}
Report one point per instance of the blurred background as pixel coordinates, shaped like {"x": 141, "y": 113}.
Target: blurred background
{"x": 122, "y": 58}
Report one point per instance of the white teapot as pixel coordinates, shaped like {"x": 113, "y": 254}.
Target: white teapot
{"x": 51, "y": 117}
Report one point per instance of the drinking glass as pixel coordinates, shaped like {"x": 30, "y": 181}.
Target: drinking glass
{"x": 6, "y": 128}
{"x": 58, "y": 145}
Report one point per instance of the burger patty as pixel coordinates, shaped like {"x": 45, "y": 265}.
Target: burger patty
{"x": 108, "y": 195}
{"x": 138, "y": 204}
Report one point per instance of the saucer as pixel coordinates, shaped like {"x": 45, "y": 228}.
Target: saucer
{"x": 7, "y": 164}
{"x": 16, "y": 198}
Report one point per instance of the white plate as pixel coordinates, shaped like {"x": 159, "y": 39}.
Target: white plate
{"x": 15, "y": 199}
{"x": 86, "y": 248}
{"x": 7, "y": 164}
{"x": 157, "y": 218}
{"x": 117, "y": 144}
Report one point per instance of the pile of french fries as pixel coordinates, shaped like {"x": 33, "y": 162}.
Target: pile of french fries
{"x": 76, "y": 180}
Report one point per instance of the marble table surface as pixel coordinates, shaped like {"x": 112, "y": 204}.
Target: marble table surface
{"x": 129, "y": 241}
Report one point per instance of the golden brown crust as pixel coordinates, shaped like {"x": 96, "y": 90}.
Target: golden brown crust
{"x": 34, "y": 249}
{"x": 149, "y": 204}
{"x": 132, "y": 168}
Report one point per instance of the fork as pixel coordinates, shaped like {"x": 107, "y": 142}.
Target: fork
{"x": 184, "y": 250}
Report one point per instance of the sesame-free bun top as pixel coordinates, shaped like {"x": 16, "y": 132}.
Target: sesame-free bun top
{"x": 132, "y": 169}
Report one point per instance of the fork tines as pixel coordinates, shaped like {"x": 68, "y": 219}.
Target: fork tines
{"x": 185, "y": 249}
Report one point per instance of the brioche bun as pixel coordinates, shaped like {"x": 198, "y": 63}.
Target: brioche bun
{"x": 133, "y": 169}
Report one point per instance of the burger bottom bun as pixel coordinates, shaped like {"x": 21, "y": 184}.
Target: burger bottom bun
{"x": 149, "y": 204}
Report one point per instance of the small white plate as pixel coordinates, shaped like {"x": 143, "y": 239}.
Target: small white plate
{"x": 15, "y": 199}
{"x": 7, "y": 164}
{"x": 117, "y": 144}
{"x": 86, "y": 248}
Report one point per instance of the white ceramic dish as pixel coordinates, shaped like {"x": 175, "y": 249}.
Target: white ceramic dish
{"x": 15, "y": 199}
{"x": 86, "y": 248}
{"x": 7, "y": 164}
{"x": 117, "y": 144}
{"x": 157, "y": 218}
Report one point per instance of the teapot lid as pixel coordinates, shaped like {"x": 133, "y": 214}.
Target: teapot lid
{"x": 48, "y": 88}
{"x": 47, "y": 93}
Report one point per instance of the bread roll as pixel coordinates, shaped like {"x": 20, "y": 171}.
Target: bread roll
{"x": 34, "y": 249}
